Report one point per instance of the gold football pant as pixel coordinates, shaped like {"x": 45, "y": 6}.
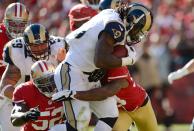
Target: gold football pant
{"x": 143, "y": 117}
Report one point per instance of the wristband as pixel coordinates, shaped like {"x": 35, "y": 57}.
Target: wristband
{"x": 73, "y": 94}
{"x": 182, "y": 72}
{"x": 127, "y": 61}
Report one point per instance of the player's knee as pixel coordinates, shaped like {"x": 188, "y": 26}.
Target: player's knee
{"x": 109, "y": 121}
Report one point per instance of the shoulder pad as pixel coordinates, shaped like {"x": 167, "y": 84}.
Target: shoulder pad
{"x": 116, "y": 30}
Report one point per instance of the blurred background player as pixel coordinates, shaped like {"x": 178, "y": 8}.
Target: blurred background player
{"x": 14, "y": 22}
{"x": 20, "y": 53}
{"x": 35, "y": 111}
{"x": 91, "y": 3}
{"x": 79, "y": 14}
{"x": 180, "y": 73}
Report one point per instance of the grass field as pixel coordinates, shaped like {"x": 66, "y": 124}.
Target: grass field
{"x": 175, "y": 127}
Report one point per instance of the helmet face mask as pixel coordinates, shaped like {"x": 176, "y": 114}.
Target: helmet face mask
{"x": 16, "y": 19}
{"x": 42, "y": 73}
{"x": 36, "y": 38}
{"x": 46, "y": 85}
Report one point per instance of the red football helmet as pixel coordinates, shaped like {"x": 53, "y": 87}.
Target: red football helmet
{"x": 79, "y": 14}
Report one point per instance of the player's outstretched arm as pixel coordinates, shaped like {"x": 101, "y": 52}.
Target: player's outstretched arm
{"x": 10, "y": 77}
{"x": 187, "y": 69}
{"x": 95, "y": 94}
{"x": 20, "y": 114}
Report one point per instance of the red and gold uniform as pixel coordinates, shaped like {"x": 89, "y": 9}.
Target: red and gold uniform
{"x": 3, "y": 40}
{"x": 50, "y": 113}
{"x": 137, "y": 108}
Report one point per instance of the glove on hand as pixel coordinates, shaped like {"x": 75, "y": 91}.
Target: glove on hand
{"x": 63, "y": 95}
{"x": 32, "y": 114}
{"x": 96, "y": 75}
{"x": 131, "y": 58}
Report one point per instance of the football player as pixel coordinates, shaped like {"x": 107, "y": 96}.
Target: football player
{"x": 20, "y": 53}
{"x": 79, "y": 14}
{"x": 91, "y": 3}
{"x": 33, "y": 108}
{"x": 90, "y": 48}
{"x": 185, "y": 70}
{"x": 14, "y": 22}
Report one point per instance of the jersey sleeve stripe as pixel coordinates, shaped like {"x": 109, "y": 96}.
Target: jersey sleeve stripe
{"x": 117, "y": 77}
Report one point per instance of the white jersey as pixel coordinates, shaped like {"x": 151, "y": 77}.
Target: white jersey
{"x": 15, "y": 53}
{"x": 82, "y": 42}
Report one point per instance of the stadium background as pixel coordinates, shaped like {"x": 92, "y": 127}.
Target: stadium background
{"x": 170, "y": 46}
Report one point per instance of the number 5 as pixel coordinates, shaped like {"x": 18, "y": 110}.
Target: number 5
{"x": 48, "y": 123}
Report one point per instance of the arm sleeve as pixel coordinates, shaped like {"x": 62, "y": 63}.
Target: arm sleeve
{"x": 6, "y": 55}
{"x": 116, "y": 30}
{"x": 117, "y": 73}
{"x": 17, "y": 95}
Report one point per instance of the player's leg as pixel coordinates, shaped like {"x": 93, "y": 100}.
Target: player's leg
{"x": 107, "y": 113}
{"x": 123, "y": 122}
{"x": 144, "y": 118}
{"x": 5, "y": 112}
{"x": 192, "y": 125}
{"x": 77, "y": 112}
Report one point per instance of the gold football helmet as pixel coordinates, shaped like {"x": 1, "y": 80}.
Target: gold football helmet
{"x": 42, "y": 73}
{"x": 16, "y": 19}
{"x": 36, "y": 39}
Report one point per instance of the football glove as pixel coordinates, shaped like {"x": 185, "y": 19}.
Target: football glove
{"x": 177, "y": 75}
{"x": 120, "y": 102}
{"x": 32, "y": 114}
{"x": 96, "y": 75}
{"x": 63, "y": 95}
{"x": 131, "y": 58}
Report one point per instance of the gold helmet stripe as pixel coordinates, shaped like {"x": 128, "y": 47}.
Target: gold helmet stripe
{"x": 148, "y": 17}
{"x": 30, "y": 36}
{"x": 42, "y": 33}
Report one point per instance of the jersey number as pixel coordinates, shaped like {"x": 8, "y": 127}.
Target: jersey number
{"x": 17, "y": 45}
{"x": 48, "y": 123}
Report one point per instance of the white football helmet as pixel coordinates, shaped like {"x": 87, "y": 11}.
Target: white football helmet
{"x": 16, "y": 19}
{"x": 42, "y": 73}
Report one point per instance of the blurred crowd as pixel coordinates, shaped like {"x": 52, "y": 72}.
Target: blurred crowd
{"x": 169, "y": 47}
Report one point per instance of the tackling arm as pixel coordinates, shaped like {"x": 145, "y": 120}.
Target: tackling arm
{"x": 95, "y": 94}
{"x": 10, "y": 77}
{"x": 187, "y": 69}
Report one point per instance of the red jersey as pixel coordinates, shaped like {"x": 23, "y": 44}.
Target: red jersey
{"x": 3, "y": 40}
{"x": 134, "y": 94}
{"x": 51, "y": 113}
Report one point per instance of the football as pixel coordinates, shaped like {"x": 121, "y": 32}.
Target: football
{"x": 120, "y": 51}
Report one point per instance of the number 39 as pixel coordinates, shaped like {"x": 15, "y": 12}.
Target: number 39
{"x": 48, "y": 123}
